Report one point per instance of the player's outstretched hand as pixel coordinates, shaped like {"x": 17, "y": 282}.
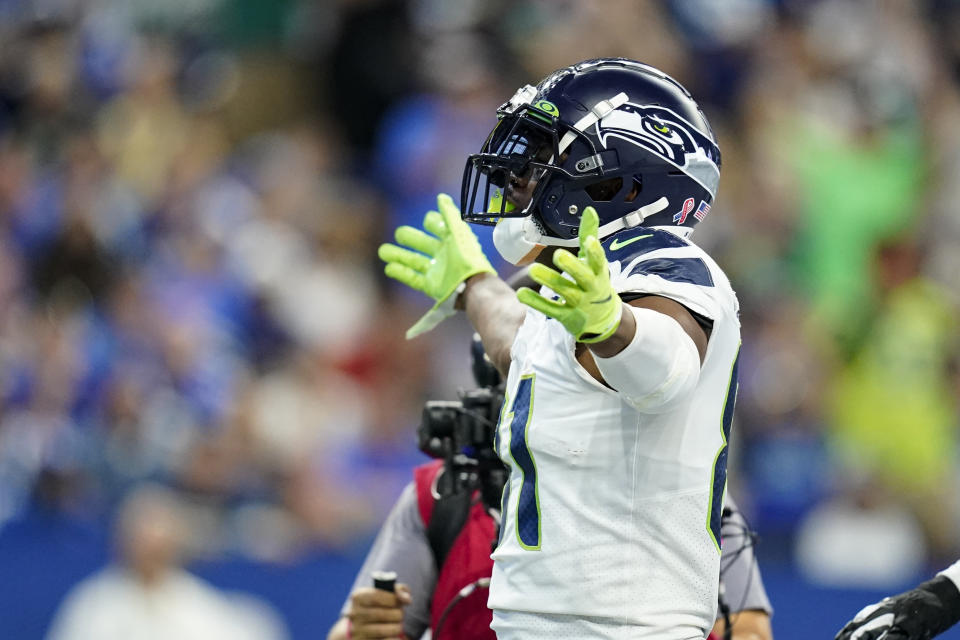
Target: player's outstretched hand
{"x": 589, "y": 307}
{"x": 435, "y": 260}
{"x": 376, "y": 614}
{"x": 918, "y": 614}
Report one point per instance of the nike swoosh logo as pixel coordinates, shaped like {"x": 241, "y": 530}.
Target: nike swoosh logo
{"x": 604, "y": 301}
{"x": 617, "y": 245}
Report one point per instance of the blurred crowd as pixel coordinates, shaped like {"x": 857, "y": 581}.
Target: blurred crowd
{"x": 191, "y": 194}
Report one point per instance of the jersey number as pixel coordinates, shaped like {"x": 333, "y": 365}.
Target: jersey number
{"x": 528, "y": 503}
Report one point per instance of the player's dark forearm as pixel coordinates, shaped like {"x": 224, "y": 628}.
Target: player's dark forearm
{"x": 620, "y": 338}
{"x": 628, "y": 327}
{"x": 496, "y": 314}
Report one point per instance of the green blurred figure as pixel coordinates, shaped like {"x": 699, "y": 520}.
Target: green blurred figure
{"x": 857, "y": 187}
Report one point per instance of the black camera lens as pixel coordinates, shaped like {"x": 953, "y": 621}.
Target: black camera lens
{"x": 437, "y": 426}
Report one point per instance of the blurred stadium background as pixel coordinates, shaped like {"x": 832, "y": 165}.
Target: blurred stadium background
{"x": 193, "y": 318}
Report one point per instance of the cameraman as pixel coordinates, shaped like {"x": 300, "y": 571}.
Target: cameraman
{"x": 439, "y": 536}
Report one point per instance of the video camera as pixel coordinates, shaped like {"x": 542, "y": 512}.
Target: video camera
{"x": 461, "y": 433}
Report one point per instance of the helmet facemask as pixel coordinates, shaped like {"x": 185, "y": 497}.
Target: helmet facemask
{"x": 523, "y": 148}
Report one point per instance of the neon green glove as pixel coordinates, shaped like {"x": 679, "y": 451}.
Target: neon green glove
{"x": 589, "y": 307}
{"x": 438, "y": 264}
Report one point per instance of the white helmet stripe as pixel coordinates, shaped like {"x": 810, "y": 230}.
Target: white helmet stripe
{"x": 598, "y": 111}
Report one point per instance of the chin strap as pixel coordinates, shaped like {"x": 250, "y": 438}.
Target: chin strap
{"x": 532, "y": 232}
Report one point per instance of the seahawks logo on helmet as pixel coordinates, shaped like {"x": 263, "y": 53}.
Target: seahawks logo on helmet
{"x": 666, "y": 134}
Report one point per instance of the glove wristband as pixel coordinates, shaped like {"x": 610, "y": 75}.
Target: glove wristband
{"x": 440, "y": 311}
{"x": 612, "y": 329}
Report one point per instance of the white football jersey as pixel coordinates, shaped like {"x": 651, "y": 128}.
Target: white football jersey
{"x": 609, "y": 513}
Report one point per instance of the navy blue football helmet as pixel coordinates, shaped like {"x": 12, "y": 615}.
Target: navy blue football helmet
{"x": 614, "y": 134}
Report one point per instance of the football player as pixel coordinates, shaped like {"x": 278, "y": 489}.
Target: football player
{"x": 918, "y": 614}
{"x": 621, "y": 369}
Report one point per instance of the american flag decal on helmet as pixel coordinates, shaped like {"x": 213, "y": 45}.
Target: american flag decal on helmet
{"x": 702, "y": 210}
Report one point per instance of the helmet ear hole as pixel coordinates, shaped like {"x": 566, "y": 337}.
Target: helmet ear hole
{"x": 635, "y": 191}
{"x": 604, "y": 190}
